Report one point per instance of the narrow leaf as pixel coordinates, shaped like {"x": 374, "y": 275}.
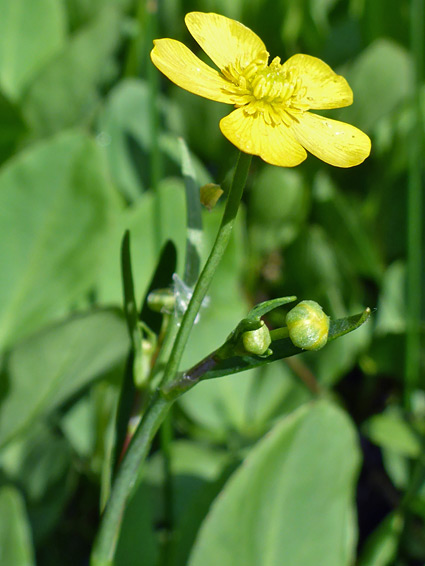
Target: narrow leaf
{"x": 194, "y": 219}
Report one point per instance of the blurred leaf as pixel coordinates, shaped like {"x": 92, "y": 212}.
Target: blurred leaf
{"x": 82, "y": 11}
{"x": 313, "y": 269}
{"x": 31, "y": 33}
{"x": 381, "y": 547}
{"x": 345, "y": 225}
{"x": 47, "y": 369}
{"x": 278, "y": 207}
{"x": 386, "y": 356}
{"x": 126, "y": 137}
{"x": 385, "y": 18}
{"x": 55, "y": 209}
{"x": 198, "y": 475}
{"x": 339, "y": 357}
{"x": 78, "y": 426}
{"x": 15, "y": 534}
{"x": 381, "y": 79}
{"x": 37, "y": 461}
{"x": 194, "y": 238}
{"x": 245, "y": 403}
{"x": 67, "y": 90}
{"x": 40, "y": 462}
{"x": 391, "y": 312}
{"x": 397, "y": 468}
{"x": 139, "y": 220}
{"x": 389, "y": 430}
{"x": 309, "y": 460}
{"x": 320, "y": 10}
{"x": 137, "y": 543}
{"x": 12, "y": 127}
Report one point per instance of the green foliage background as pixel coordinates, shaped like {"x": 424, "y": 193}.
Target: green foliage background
{"x": 89, "y": 132}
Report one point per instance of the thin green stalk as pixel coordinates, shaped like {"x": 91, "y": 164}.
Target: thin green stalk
{"x": 155, "y": 153}
{"x": 204, "y": 281}
{"x": 166, "y": 438}
{"x": 107, "y": 537}
{"x": 414, "y": 210}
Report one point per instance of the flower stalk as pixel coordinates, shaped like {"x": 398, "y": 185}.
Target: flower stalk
{"x": 157, "y": 410}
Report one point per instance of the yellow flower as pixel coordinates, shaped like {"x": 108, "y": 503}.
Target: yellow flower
{"x": 272, "y": 102}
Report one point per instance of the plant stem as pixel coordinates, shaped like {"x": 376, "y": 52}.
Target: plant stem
{"x": 107, "y": 537}
{"x": 205, "y": 278}
{"x": 166, "y": 438}
{"x": 414, "y": 211}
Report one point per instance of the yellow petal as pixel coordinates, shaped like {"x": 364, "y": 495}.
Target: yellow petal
{"x": 331, "y": 141}
{"x": 224, "y": 40}
{"x": 324, "y": 88}
{"x": 250, "y": 134}
{"x": 181, "y": 66}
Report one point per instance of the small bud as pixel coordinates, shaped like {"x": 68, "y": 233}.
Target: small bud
{"x": 161, "y": 300}
{"x": 257, "y": 341}
{"x": 308, "y": 325}
{"x": 210, "y": 193}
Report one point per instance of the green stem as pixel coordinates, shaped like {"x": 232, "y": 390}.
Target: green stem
{"x": 205, "y": 278}
{"x": 414, "y": 211}
{"x": 106, "y": 541}
{"x": 166, "y": 438}
{"x": 107, "y": 537}
{"x": 279, "y": 333}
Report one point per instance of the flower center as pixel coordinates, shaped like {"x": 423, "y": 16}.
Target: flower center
{"x": 274, "y": 91}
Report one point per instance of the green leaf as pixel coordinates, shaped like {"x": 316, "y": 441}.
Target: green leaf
{"x": 15, "y": 535}
{"x": 391, "y": 312}
{"x": 245, "y": 403}
{"x": 139, "y": 220}
{"x": 55, "y": 210}
{"x": 130, "y": 303}
{"x": 67, "y": 90}
{"x": 161, "y": 278}
{"x": 51, "y": 367}
{"x": 198, "y": 474}
{"x": 194, "y": 238}
{"x": 381, "y": 79}
{"x": 82, "y": 11}
{"x": 263, "y": 308}
{"x": 31, "y": 33}
{"x": 291, "y": 502}
{"x": 12, "y": 127}
{"x": 127, "y": 140}
{"x": 389, "y": 430}
{"x": 137, "y": 543}
{"x": 346, "y": 228}
{"x": 278, "y": 206}
{"x": 40, "y": 461}
{"x": 381, "y": 547}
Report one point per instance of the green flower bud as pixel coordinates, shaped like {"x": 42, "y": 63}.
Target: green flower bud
{"x": 162, "y": 300}
{"x": 308, "y": 325}
{"x": 210, "y": 193}
{"x": 257, "y": 341}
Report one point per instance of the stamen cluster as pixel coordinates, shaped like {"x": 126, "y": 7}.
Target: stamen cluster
{"x": 272, "y": 90}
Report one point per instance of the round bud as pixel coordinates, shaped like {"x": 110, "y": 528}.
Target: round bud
{"x": 308, "y": 325}
{"x": 257, "y": 341}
